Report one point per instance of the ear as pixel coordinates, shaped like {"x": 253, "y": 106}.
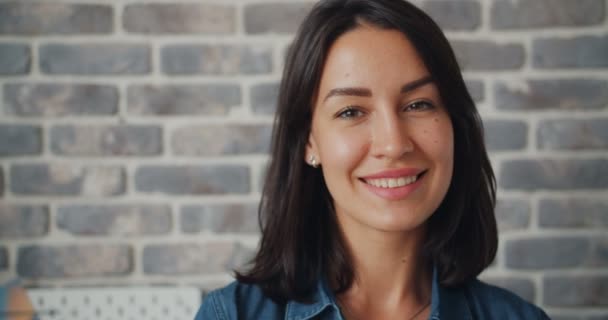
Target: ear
{"x": 312, "y": 150}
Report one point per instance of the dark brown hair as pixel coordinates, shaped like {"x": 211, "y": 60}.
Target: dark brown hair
{"x": 301, "y": 242}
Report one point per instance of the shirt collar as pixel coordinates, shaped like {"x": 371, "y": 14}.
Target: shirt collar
{"x": 323, "y": 298}
{"x": 446, "y": 303}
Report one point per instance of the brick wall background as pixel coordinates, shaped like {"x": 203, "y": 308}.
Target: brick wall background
{"x": 133, "y": 136}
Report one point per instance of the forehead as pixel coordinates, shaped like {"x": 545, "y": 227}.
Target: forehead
{"x": 371, "y": 57}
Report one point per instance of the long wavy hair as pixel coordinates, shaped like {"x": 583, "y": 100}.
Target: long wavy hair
{"x": 301, "y": 242}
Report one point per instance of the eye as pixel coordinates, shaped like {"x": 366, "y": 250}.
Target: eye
{"x": 420, "y": 105}
{"x": 349, "y": 113}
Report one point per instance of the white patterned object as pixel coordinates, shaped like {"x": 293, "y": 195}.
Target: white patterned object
{"x": 122, "y": 303}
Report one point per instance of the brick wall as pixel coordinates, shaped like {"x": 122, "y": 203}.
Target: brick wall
{"x": 133, "y": 136}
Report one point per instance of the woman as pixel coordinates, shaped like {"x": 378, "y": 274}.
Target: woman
{"x": 379, "y": 198}
{"x": 14, "y": 302}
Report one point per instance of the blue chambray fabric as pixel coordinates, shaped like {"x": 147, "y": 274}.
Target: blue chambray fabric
{"x": 474, "y": 300}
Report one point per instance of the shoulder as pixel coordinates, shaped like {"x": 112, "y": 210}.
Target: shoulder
{"x": 238, "y": 301}
{"x": 488, "y": 301}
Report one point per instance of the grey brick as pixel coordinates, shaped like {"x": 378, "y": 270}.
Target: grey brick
{"x": 15, "y": 58}
{"x": 262, "y": 173}
{"x": 1, "y": 182}
{"x": 564, "y": 94}
{"x": 221, "y": 218}
{"x": 599, "y": 255}
{"x": 179, "y": 18}
{"x": 216, "y": 59}
{"x": 20, "y": 221}
{"x": 241, "y": 256}
{"x": 115, "y": 220}
{"x": 213, "y": 99}
{"x": 501, "y": 135}
{"x": 39, "y": 18}
{"x": 3, "y": 259}
{"x": 264, "y": 98}
{"x": 506, "y": 14}
{"x": 17, "y": 139}
{"x": 74, "y": 261}
{"x": 573, "y": 213}
{"x": 95, "y": 59}
{"x": 520, "y": 286}
{"x": 577, "y": 52}
{"x": 276, "y": 17}
{"x": 575, "y": 291}
{"x": 554, "y": 174}
{"x": 512, "y": 214}
{"x": 215, "y": 140}
{"x": 190, "y": 258}
{"x": 191, "y": 180}
{"x": 123, "y": 140}
{"x": 62, "y": 179}
{"x": 556, "y": 252}
{"x": 546, "y": 253}
{"x": 572, "y": 134}
{"x": 476, "y": 89}
{"x": 488, "y": 55}
{"x": 454, "y": 15}
{"x": 48, "y": 99}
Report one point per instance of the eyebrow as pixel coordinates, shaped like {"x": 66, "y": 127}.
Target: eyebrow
{"x": 365, "y": 92}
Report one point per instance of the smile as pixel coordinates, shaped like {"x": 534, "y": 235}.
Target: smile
{"x": 394, "y": 184}
{"x": 391, "y": 182}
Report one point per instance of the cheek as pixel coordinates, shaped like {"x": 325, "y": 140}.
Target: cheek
{"x": 342, "y": 151}
{"x": 445, "y": 144}
{"x": 436, "y": 138}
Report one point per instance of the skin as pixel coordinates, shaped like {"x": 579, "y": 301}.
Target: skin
{"x": 19, "y": 302}
{"x": 374, "y": 128}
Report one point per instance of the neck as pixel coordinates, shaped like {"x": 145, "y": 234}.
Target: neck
{"x": 390, "y": 272}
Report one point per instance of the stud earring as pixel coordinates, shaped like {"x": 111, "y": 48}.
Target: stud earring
{"x": 313, "y": 162}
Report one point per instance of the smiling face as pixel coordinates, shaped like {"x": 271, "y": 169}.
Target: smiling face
{"x": 380, "y": 133}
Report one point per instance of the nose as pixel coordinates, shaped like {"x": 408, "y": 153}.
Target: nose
{"x": 391, "y": 138}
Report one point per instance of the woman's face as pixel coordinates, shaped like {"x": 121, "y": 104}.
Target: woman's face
{"x": 380, "y": 132}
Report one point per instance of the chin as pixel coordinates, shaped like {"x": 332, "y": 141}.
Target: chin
{"x": 397, "y": 222}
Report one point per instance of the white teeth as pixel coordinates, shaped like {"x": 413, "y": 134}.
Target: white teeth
{"x": 391, "y": 182}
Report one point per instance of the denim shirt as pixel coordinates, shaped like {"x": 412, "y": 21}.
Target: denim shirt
{"x": 474, "y": 300}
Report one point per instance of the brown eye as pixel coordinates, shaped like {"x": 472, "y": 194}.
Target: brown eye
{"x": 349, "y": 113}
{"x": 420, "y": 105}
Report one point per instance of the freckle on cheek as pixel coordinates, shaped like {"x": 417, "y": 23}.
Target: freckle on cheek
{"x": 436, "y": 120}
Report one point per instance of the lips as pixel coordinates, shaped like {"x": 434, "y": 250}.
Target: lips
{"x": 394, "y": 178}
{"x": 391, "y": 182}
{"x": 394, "y": 184}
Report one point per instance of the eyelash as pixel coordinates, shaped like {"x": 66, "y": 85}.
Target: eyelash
{"x": 353, "y": 109}
{"x": 428, "y": 105}
{"x": 350, "y": 109}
